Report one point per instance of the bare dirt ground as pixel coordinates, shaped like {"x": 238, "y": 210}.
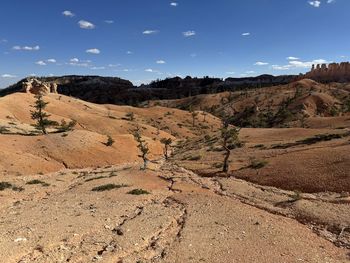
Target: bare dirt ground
{"x": 67, "y": 197}
{"x": 184, "y": 218}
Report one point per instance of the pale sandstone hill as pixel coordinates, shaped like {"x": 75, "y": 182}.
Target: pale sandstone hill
{"x": 83, "y": 147}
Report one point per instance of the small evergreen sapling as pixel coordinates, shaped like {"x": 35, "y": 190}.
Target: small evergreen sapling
{"x": 143, "y": 147}
{"x": 41, "y": 117}
{"x": 167, "y": 143}
{"x": 229, "y": 135}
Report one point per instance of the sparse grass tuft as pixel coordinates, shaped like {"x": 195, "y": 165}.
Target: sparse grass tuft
{"x": 194, "y": 158}
{"x": 107, "y": 187}
{"x": 35, "y": 181}
{"x": 110, "y": 141}
{"x": 258, "y": 164}
{"x": 138, "y": 192}
{"x": 94, "y": 178}
{"x": 7, "y": 185}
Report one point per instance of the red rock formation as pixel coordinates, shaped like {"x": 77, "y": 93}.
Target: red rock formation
{"x": 334, "y": 72}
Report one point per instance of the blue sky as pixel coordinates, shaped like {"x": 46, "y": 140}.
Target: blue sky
{"x": 142, "y": 40}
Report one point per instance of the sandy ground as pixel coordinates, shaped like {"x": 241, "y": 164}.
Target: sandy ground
{"x": 294, "y": 209}
{"x": 185, "y": 218}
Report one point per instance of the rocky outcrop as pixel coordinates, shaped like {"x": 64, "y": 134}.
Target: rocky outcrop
{"x": 112, "y": 90}
{"x": 90, "y": 88}
{"x": 334, "y": 72}
{"x": 36, "y": 86}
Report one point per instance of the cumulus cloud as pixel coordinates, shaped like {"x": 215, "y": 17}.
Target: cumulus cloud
{"x": 330, "y": 1}
{"x": 40, "y": 63}
{"x": 109, "y": 21}
{"x": 174, "y": 4}
{"x": 315, "y": 3}
{"x": 293, "y": 64}
{"x": 149, "y": 70}
{"x": 51, "y": 60}
{"x": 68, "y": 13}
{"x": 246, "y": 34}
{"x": 150, "y": 32}
{"x": 292, "y": 58}
{"x": 86, "y": 24}
{"x": 26, "y": 48}
{"x": 79, "y": 63}
{"x": 189, "y": 33}
{"x": 160, "y": 62}
{"x": 260, "y": 63}
{"x": 8, "y": 76}
{"x": 93, "y": 51}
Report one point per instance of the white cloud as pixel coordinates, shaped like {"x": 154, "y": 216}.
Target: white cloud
{"x": 3, "y": 40}
{"x": 150, "y": 32}
{"x": 174, "y": 4}
{"x": 109, "y": 21}
{"x": 160, "y": 62}
{"x": 26, "y": 48}
{"x": 97, "y": 68}
{"x": 79, "y": 63}
{"x": 259, "y": 63}
{"x": 292, "y": 58}
{"x": 68, "y": 13}
{"x": 82, "y": 64}
{"x": 86, "y": 24}
{"x": 51, "y": 60}
{"x": 40, "y": 63}
{"x": 8, "y": 76}
{"x": 93, "y": 51}
{"x": 149, "y": 70}
{"x": 129, "y": 52}
{"x": 189, "y": 33}
{"x": 293, "y": 64}
{"x": 246, "y": 34}
{"x": 315, "y": 3}
{"x": 330, "y": 1}
{"x": 113, "y": 65}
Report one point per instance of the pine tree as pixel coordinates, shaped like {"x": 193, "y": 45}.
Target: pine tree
{"x": 228, "y": 135}
{"x": 41, "y": 117}
{"x": 143, "y": 147}
{"x": 167, "y": 143}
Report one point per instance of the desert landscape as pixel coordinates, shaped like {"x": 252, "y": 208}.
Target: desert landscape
{"x": 79, "y": 194}
{"x": 174, "y": 132}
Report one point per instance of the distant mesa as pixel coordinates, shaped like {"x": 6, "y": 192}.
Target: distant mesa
{"x": 334, "y": 72}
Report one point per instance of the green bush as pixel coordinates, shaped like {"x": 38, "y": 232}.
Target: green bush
{"x": 107, "y": 187}
{"x": 35, "y": 181}
{"x": 258, "y": 164}
{"x": 138, "y": 192}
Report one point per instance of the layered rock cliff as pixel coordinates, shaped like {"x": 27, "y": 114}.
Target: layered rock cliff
{"x": 334, "y": 72}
